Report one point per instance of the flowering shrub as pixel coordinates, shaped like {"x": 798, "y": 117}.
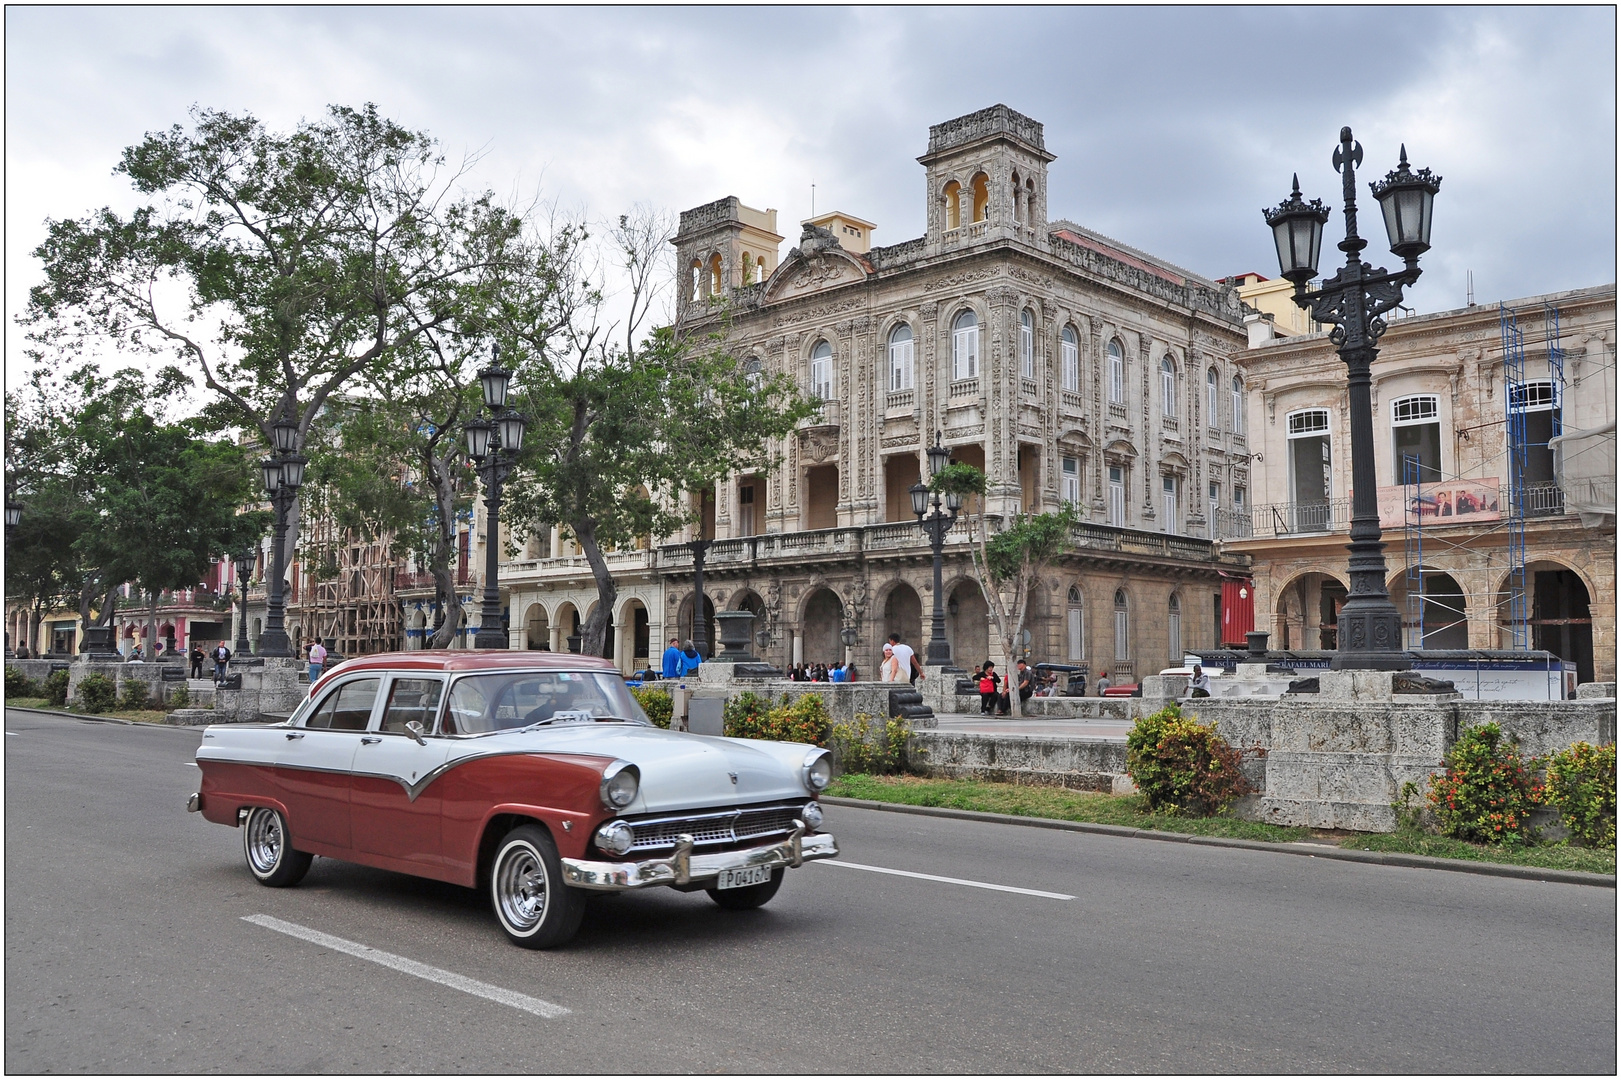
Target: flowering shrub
{"x": 865, "y": 746}
{"x": 657, "y": 704}
{"x": 1581, "y": 783}
{"x": 1488, "y": 790}
{"x": 749, "y": 716}
{"x": 1183, "y": 766}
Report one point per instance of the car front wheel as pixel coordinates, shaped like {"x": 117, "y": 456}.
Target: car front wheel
{"x": 270, "y": 856}
{"x": 536, "y": 909}
{"x": 749, "y": 896}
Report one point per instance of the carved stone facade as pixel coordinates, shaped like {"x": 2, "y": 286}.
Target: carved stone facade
{"x": 1438, "y": 391}
{"x": 996, "y": 329}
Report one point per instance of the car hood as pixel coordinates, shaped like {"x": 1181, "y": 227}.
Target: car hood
{"x": 679, "y": 771}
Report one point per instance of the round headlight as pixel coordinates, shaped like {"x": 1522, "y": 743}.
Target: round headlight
{"x": 616, "y": 837}
{"x": 818, "y": 770}
{"x": 620, "y": 782}
{"x": 811, "y": 816}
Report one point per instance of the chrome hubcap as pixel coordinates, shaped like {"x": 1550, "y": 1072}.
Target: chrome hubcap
{"x": 264, "y": 840}
{"x": 520, "y": 888}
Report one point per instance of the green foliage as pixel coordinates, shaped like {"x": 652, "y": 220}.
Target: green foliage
{"x": 656, "y": 703}
{"x": 866, "y": 745}
{"x": 136, "y": 694}
{"x": 179, "y": 697}
{"x": 1487, "y": 792}
{"x": 1028, "y": 544}
{"x": 958, "y": 479}
{"x": 1581, "y": 784}
{"x": 1409, "y": 808}
{"x": 801, "y": 721}
{"x": 18, "y": 684}
{"x": 1183, "y": 766}
{"x": 97, "y": 693}
{"x": 56, "y": 688}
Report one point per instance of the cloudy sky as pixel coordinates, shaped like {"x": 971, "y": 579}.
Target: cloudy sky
{"x": 1172, "y": 126}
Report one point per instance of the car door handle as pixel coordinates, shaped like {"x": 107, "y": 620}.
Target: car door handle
{"x": 295, "y": 734}
{"x": 366, "y": 740}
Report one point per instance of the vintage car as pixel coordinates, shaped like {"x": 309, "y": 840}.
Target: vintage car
{"x": 533, "y": 775}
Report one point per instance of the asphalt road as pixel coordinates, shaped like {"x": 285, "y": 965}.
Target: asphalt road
{"x": 127, "y": 950}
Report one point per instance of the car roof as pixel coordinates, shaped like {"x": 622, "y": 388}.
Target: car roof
{"x": 458, "y": 660}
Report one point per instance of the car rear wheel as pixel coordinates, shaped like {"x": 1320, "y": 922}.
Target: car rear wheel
{"x": 749, "y": 896}
{"x": 270, "y": 856}
{"x": 533, "y": 905}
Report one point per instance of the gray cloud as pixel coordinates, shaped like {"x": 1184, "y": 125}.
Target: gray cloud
{"x": 1172, "y": 126}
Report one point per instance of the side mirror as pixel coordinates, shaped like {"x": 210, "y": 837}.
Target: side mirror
{"x": 414, "y": 730}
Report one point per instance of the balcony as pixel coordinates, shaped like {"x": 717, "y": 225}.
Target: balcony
{"x": 1275, "y": 520}
{"x": 899, "y": 401}
{"x": 1542, "y": 500}
{"x": 961, "y": 388}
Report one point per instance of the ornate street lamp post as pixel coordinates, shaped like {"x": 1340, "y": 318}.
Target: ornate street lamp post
{"x": 283, "y": 476}
{"x": 245, "y": 562}
{"x": 493, "y": 445}
{"x": 935, "y": 527}
{"x": 1370, "y": 627}
{"x": 14, "y": 516}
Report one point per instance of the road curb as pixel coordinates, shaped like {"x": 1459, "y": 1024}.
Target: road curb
{"x": 1316, "y": 851}
{"x": 84, "y": 716}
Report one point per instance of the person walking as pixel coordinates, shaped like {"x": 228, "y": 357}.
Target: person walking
{"x": 222, "y": 657}
{"x": 317, "y": 660}
{"x": 988, "y": 681}
{"x": 197, "y": 658}
{"x": 908, "y": 659}
{"x": 1103, "y": 682}
{"x": 670, "y": 667}
{"x": 690, "y": 660}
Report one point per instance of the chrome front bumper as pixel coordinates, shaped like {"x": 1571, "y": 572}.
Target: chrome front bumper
{"x": 683, "y": 866}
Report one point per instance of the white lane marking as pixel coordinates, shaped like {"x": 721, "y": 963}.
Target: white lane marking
{"x": 947, "y": 880}
{"x": 193, "y": 764}
{"x": 544, "y": 1009}
{"x": 11, "y": 733}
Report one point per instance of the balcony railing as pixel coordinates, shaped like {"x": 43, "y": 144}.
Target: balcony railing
{"x": 1542, "y": 500}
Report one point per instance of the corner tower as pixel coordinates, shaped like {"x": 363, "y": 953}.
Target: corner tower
{"x": 986, "y": 175}
{"x": 721, "y": 246}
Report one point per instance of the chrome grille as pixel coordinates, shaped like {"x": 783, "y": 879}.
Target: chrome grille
{"x": 711, "y": 830}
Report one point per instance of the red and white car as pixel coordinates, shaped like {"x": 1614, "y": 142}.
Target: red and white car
{"x": 535, "y": 776}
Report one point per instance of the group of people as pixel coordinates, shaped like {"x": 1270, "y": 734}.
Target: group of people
{"x": 837, "y": 672}
{"x": 995, "y": 691}
{"x": 900, "y": 664}
{"x": 219, "y": 654}
{"x": 680, "y": 661}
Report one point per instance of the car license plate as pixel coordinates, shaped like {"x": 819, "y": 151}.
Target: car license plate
{"x": 748, "y": 875}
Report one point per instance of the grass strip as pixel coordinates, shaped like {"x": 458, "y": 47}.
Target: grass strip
{"x": 1021, "y": 800}
{"x": 1061, "y": 804}
{"x": 142, "y": 716}
{"x": 1546, "y": 856}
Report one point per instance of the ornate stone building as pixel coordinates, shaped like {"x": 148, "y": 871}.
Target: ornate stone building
{"x": 1068, "y": 366}
{"x": 1458, "y": 541}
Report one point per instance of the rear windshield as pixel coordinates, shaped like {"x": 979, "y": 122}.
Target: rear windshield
{"x": 479, "y": 704}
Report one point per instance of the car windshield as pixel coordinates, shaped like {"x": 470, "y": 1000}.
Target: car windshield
{"x": 480, "y": 704}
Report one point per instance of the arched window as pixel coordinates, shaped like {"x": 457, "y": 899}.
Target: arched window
{"x": 1238, "y": 405}
{"x": 900, "y": 358}
{"x": 1211, "y": 379}
{"x": 754, "y": 371}
{"x": 1018, "y": 198}
{"x": 1027, "y": 344}
{"x": 953, "y": 195}
{"x": 1173, "y": 632}
{"x": 748, "y": 269}
{"x": 715, "y": 280}
{"x": 694, "y": 274}
{"x": 1069, "y": 352}
{"x": 821, "y": 387}
{"x": 1117, "y": 372}
{"x": 981, "y": 185}
{"x": 1122, "y": 627}
{"x": 1167, "y": 386}
{"x": 759, "y": 266}
{"x": 1076, "y": 624}
{"x": 965, "y": 346}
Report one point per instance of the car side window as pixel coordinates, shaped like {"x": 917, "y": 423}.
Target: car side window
{"x": 348, "y": 708}
{"x": 466, "y": 708}
{"x": 411, "y": 699}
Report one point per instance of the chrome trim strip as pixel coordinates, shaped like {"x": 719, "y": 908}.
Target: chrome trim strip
{"x": 619, "y": 876}
{"x": 732, "y": 812}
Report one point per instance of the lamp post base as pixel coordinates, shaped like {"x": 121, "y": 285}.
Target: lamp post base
{"x": 274, "y": 643}
{"x": 490, "y": 638}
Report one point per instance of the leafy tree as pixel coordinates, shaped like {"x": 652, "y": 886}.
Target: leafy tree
{"x": 1011, "y": 561}
{"x": 622, "y": 428}
{"x": 278, "y": 266}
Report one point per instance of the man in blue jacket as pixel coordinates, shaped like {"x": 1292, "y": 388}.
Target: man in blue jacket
{"x": 689, "y": 660}
{"x": 672, "y": 660}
